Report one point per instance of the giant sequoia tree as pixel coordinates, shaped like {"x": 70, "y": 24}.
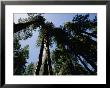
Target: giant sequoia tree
{"x": 78, "y": 40}
{"x": 76, "y": 44}
{"x": 24, "y": 30}
{"x": 44, "y": 64}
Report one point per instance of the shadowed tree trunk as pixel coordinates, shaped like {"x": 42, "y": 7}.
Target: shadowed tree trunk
{"x": 90, "y": 62}
{"x": 45, "y": 68}
{"x": 37, "y": 22}
{"x": 21, "y": 26}
{"x": 85, "y": 65}
{"x": 48, "y": 53}
{"x": 40, "y": 58}
{"x": 49, "y": 63}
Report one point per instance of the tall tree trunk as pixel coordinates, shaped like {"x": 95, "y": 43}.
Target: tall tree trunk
{"x": 85, "y": 65}
{"x": 20, "y": 26}
{"x": 49, "y": 60}
{"x": 90, "y": 62}
{"x": 40, "y": 58}
{"x": 44, "y": 66}
{"x": 47, "y": 65}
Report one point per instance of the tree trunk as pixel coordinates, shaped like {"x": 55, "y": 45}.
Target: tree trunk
{"x": 90, "y": 62}
{"x": 44, "y": 66}
{"x": 21, "y": 26}
{"x": 48, "y": 53}
{"x": 85, "y": 65}
{"x": 40, "y": 58}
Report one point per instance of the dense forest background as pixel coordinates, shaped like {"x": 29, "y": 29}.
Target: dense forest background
{"x": 70, "y": 49}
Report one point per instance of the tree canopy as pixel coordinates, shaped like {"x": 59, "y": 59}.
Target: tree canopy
{"x": 75, "y": 44}
{"x": 20, "y": 57}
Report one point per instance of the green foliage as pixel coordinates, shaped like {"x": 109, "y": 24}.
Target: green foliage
{"x": 20, "y": 57}
{"x": 78, "y": 38}
{"x": 66, "y": 64}
{"x": 45, "y": 30}
{"x": 30, "y": 69}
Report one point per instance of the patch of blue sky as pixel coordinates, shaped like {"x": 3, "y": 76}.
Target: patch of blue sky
{"x": 33, "y": 49}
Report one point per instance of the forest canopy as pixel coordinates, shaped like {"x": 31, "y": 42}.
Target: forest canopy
{"x": 68, "y": 49}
